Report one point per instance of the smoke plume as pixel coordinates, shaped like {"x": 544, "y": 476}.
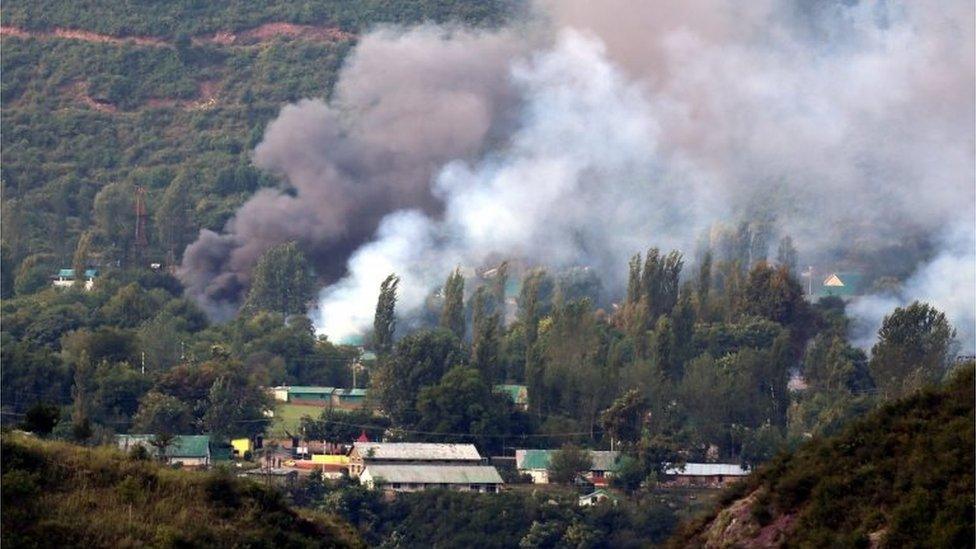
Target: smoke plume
{"x": 406, "y": 103}
{"x": 616, "y": 125}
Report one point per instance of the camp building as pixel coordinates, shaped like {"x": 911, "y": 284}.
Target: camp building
{"x": 703, "y": 474}
{"x": 535, "y": 463}
{"x": 364, "y": 454}
{"x": 185, "y": 450}
{"x": 412, "y": 478}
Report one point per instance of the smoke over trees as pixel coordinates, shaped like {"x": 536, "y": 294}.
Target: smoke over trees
{"x": 584, "y": 135}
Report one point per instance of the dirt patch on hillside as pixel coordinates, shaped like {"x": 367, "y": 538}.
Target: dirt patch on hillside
{"x": 78, "y": 91}
{"x": 257, "y": 35}
{"x": 270, "y": 31}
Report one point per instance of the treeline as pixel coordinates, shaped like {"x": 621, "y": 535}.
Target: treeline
{"x": 133, "y": 354}
{"x": 695, "y": 368}
{"x": 190, "y": 18}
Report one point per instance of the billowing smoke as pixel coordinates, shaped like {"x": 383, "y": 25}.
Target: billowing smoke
{"x": 639, "y": 123}
{"x": 406, "y": 103}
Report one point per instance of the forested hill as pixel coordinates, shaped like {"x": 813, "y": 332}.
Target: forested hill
{"x": 58, "y": 494}
{"x": 101, "y": 97}
{"x": 900, "y": 477}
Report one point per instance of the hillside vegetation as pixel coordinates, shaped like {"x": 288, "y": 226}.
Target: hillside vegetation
{"x": 102, "y": 98}
{"x": 900, "y": 477}
{"x": 60, "y": 495}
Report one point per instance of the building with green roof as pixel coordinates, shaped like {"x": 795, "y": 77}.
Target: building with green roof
{"x": 518, "y": 393}
{"x": 843, "y": 285}
{"x": 535, "y": 463}
{"x": 186, "y": 450}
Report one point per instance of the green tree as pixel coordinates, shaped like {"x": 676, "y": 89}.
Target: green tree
{"x": 32, "y": 275}
{"x": 130, "y": 306}
{"x": 462, "y": 402}
{"x": 80, "y": 261}
{"x": 173, "y": 218}
{"x": 704, "y": 285}
{"x": 236, "y": 406}
{"x": 452, "y": 315}
{"x": 115, "y": 219}
{"x": 281, "y": 282}
{"x": 634, "y": 279}
{"x": 832, "y": 364}
{"x": 913, "y": 349}
{"x": 420, "y": 360}
{"x": 41, "y": 419}
{"x": 567, "y": 462}
{"x": 786, "y": 255}
{"x": 624, "y": 419}
{"x": 160, "y": 413}
{"x": 485, "y": 344}
{"x": 659, "y": 283}
{"x": 384, "y": 321}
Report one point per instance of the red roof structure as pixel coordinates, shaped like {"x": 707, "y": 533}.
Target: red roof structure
{"x": 363, "y": 437}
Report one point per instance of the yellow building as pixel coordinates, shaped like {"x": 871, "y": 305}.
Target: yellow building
{"x": 240, "y": 446}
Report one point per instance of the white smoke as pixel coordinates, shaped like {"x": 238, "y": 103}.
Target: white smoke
{"x": 851, "y": 125}
{"x": 948, "y": 283}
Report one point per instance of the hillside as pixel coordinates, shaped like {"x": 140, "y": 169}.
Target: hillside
{"x": 97, "y": 96}
{"x": 902, "y": 476}
{"x": 57, "y": 494}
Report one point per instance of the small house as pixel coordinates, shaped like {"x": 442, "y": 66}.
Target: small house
{"x": 185, "y": 450}
{"x": 349, "y": 399}
{"x": 413, "y": 478}
{"x": 596, "y": 497}
{"x": 842, "y": 285}
{"x": 519, "y": 394}
{"x": 535, "y": 463}
{"x": 66, "y": 279}
{"x": 703, "y": 474}
{"x": 364, "y": 454}
{"x": 272, "y": 476}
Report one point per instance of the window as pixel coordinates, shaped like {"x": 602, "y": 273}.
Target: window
{"x": 395, "y": 485}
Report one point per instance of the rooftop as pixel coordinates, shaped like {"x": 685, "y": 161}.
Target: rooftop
{"x": 183, "y": 445}
{"x": 307, "y": 389}
{"x": 706, "y": 470}
{"x": 539, "y": 459}
{"x": 418, "y": 451}
{"x": 435, "y": 474}
{"x": 518, "y": 393}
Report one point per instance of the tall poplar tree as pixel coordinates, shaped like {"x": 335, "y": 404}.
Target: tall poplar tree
{"x": 281, "y": 282}
{"x": 384, "y": 323}
{"x": 452, "y": 316}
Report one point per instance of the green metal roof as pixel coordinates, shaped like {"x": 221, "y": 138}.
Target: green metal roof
{"x": 518, "y": 393}
{"x": 851, "y": 284}
{"x": 533, "y": 459}
{"x": 70, "y": 273}
{"x": 183, "y": 445}
{"x": 351, "y": 393}
{"x": 311, "y": 390}
{"x": 539, "y": 459}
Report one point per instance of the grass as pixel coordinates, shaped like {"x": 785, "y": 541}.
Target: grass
{"x": 58, "y": 494}
{"x": 288, "y": 418}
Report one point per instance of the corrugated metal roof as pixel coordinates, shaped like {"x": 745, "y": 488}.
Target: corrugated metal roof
{"x": 417, "y": 451}
{"x": 304, "y": 389}
{"x": 434, "y": 474}
{"x": 195, "y": 446}
{"x": 706, "y": 470}
{"x": 539, "y": 459}
{"x": 351, "y": 392}
{"x": 518, "y": 393}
